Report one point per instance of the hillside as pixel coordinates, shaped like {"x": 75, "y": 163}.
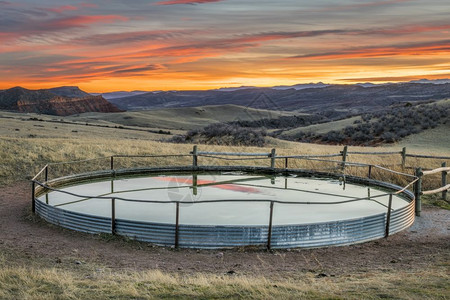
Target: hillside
{"x": 181, "y": 118}
{"x": 351, "y": 98}
{"x": 58, "y": 101}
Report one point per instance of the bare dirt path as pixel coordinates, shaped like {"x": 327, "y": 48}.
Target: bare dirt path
{"x": 426, "y": 243}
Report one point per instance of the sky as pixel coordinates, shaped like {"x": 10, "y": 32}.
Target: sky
{"x": 110, "y": 45}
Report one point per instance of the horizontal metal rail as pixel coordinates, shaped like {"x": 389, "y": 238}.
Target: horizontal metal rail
{"x": 395, "y": 172}
{"x": 307, "y": 156}
{"x": 151, "y": 156}
{"x": 207, "y": 201}
{"x": 77, "y": 161}
{"x": 305, "y": 191}
{"x": 227, "y": 158}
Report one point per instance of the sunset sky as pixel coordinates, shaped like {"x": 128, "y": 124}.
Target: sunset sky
{"x": 109, "y": 45}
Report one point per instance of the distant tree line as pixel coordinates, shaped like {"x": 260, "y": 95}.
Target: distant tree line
{"x": 286, "y": 122}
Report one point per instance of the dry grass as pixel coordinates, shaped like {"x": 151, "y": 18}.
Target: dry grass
{"x": 22, "y": 156}
{"x": 323, "y": 128}
{"x": 93, "y": 282}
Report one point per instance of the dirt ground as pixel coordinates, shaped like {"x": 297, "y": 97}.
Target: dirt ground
{"x": 425, "y": 244}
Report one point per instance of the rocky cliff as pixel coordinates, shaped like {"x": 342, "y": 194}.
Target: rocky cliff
{"x": 46, "y": 102}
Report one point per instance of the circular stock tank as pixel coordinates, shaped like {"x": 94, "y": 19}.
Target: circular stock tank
{"x": 223, "y": 207}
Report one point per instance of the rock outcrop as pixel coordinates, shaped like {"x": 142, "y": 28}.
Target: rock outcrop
{"x": 47, "y": 102}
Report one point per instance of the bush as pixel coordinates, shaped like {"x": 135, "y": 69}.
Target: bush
{"x": 224, "y": 134}
{"x": 388, "y": 137}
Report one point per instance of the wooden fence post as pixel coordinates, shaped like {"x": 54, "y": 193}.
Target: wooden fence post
{"x": 194, "y": 157}
{"x": 403, "y": 158}
{"x": 46, "y": 173}
{"x": 344, "y": 157}
{"x": 112, "y": 162}
{"x": 418, "y": 191}
{"x": 272, "y": 158}
{"x": 444, "y": 181}
{"x": 194, "y": 184}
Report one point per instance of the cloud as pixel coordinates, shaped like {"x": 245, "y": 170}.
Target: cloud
{"x": 409, "y": 29}
{"x": 105, "y": 40}
{"x": 61, "y": 9}
{"x": 397, "y": 78}
{"x": 376, "y": 3}
{"x": 79, "y": 21}
{"x": 174, "y": 2}
{"x": 137, "y": 71}
{"x": 268, "y": 36}
{"x": 434, "y": 47}
{"x": 27, "y": 27}
{"x": 133, "y": 37}
{"x": 88, "y": 5}
{"x": 354, "y": 6}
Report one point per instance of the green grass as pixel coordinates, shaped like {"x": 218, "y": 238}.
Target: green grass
{"x": 324, "y": 127}
{"x": 436, "y": 200}
{"x": 436, "y": 139}
{"x": 181, "y": 118}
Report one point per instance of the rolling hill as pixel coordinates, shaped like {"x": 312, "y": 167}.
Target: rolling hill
{"x": 352, "y": 98}
{"x": 181, "y": 118}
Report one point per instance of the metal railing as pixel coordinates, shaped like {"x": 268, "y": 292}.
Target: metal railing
{"x": 340, "y": 166}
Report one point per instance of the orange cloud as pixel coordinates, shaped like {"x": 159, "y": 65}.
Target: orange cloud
{"x": 82, "y": 21}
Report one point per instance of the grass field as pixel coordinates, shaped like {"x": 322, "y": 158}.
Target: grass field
{"x": 434, "y": 140}
{"x": 181, "y": 118}
{"x": 29, "y": 144}
{"x": 97, "y": 282}
{"x": 324, "y": 127}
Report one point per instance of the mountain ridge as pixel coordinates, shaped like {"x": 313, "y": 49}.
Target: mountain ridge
{"x": 333, "y": 97}
{"x": 299, "y": 86}
{"x": 48, "y": 102}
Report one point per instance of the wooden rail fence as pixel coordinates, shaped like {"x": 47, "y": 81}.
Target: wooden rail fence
{"x": 419, "y": 172}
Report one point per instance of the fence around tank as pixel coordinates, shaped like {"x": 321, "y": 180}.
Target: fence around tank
{"x": 174, "y": 234}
